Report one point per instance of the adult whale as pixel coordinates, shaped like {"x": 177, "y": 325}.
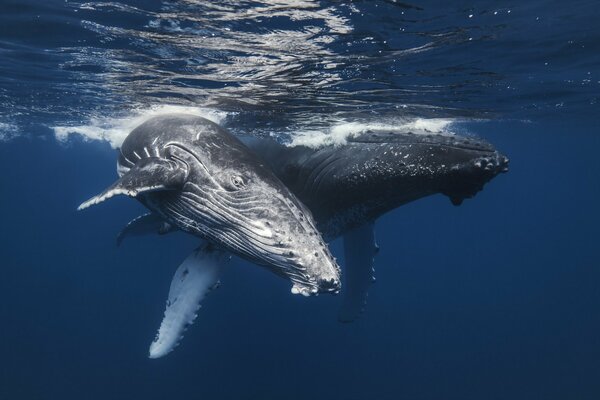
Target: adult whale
{"x": 348, "y": 186}
{"x": 373, "y": 172}
{"x": 195, "y": 176}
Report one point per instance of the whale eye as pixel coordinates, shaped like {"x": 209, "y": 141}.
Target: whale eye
{"x": 237, "y": 181}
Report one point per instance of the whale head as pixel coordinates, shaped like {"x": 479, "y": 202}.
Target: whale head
{"x": 224, "y": 194}
{"x": 465, "y": 165}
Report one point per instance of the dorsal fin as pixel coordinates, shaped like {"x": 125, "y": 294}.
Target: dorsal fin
{"x": 148, "y": 175}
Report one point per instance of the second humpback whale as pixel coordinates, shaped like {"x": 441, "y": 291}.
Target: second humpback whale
{"x": 338, "y": 190}
{"x": 347, "y": 187}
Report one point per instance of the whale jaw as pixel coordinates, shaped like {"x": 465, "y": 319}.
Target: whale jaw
{"x": 466, "y": 180}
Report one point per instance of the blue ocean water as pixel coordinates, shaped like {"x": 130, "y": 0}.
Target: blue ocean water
{"x": 495, "y": 299}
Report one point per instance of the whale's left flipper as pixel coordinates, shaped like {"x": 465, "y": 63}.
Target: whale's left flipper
{"x": 148, "y": 175}
{"x": 146, "y": 224}
{"x": 360, "y": 249}
{"x": 194, "y": 278}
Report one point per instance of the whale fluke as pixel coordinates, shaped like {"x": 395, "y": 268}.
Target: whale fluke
{"x": 148, "y": 175}
{"x": 360, "y": 249}
{"x": 193, "y": 280}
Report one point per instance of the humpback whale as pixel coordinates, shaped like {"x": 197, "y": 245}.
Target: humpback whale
{"x": 171, "y": 164}
{"x": 195, "y": 176}
{"x": 347, "y": 187}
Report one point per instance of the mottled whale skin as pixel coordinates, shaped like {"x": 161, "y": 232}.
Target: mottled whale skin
{"x": 199, "y": 178}
{"x": 346, "y": 186}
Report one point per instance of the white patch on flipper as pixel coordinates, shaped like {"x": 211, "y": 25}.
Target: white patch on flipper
{"x": 194, "y": 278}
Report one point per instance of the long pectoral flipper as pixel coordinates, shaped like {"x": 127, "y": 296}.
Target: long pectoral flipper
{"x": 194, "y": 278}
{"x": 359, "y": 252}
{"x": 148, "y": 175}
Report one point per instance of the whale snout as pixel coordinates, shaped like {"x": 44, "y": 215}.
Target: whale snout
{"x": 496, "y": 163}
{"x": 329, "y": 285}
{"x": 321, "y": 273}
{"x": 466, "y": 180}
{"x": 322, "y": 285}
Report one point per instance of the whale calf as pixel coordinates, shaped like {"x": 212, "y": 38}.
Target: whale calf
{"x": 336, "y": 190}
{"x": 196, "y": 177}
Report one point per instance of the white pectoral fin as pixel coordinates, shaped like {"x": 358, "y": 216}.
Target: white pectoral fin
{"x": 360, "y": 249}
{"x": 194, "y": 278}
{"x": 148, "y": 175}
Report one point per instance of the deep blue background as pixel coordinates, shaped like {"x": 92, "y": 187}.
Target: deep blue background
{"x": 495, "y": 299}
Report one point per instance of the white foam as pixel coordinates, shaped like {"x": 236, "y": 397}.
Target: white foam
{"x": 115, "y": 130}
{"x": 7, "y": 131}
{"x": 338, "y": 134}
